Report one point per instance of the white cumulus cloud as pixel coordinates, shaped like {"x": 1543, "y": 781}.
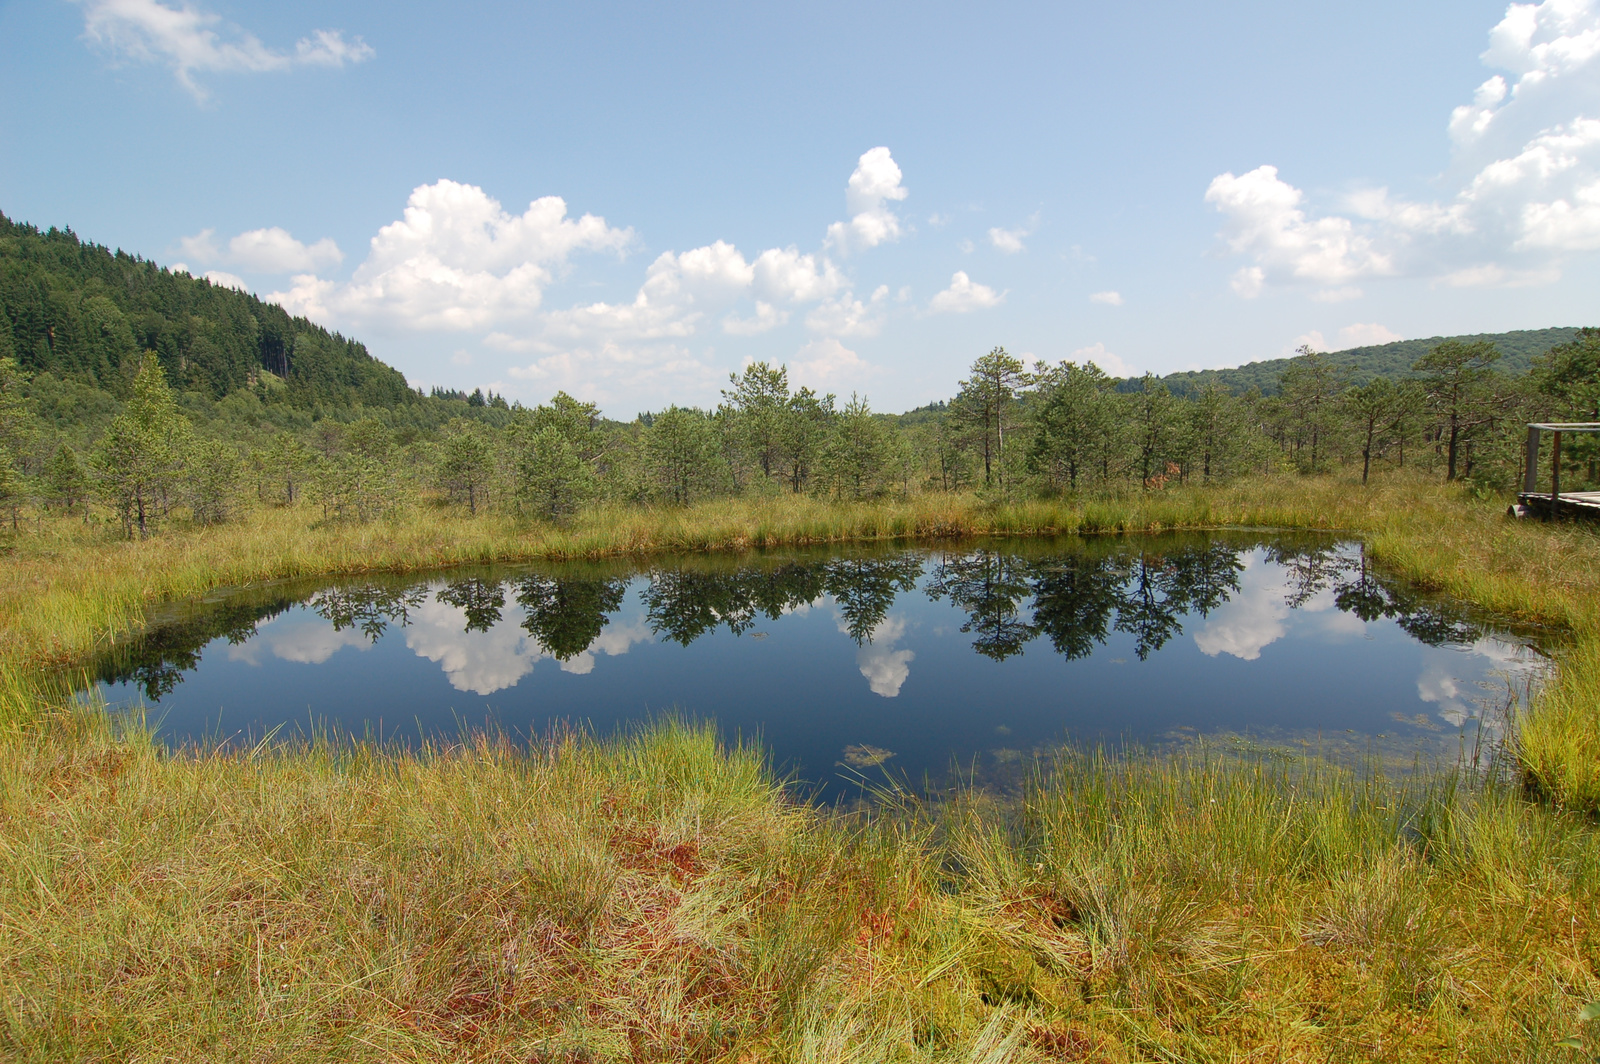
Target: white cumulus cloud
{"x": 765, "y": 319}
{"x": 272, "y": 250}
{"x": 192, "y": 41}
{"x": 1008, "y": 240}
{"x": 845, "y": 315}
{"x": 1112, "y": 364}
{"x": 1110, "y": 299}
{"x": 963, "y": 296}
{"x": 1265, "y": 220}
{"x": 456, "y": 260}
{"x": 825, "y": 363}
{"x": 1367, "y": 335}
{"x": 784, "y": 274}
{"x": 874, "y": 184}
{"x": 1525, "y": 162}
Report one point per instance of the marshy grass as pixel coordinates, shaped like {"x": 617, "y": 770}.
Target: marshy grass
{"x": 67, "y": 589}
{"x": 658, "y": 896}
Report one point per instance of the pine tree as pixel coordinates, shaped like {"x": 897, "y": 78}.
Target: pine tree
{"x": 553, "y": 480}
{"x": 759, "y": 402}
{"x": 212, "y": 477}
{"x": 138, "y": 459}
{"x": 1458, "y": 379}
{"x": 681, "y": 450}
{"x": 1069, "y": 414}
{"x": 465, "y": 463}
{"x": 985, "y": 406}
{"x": 859, "y": 452}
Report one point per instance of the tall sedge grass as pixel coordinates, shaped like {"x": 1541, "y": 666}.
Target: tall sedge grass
{"x": 656, "y": 896}
{"x": 66, "y": 590}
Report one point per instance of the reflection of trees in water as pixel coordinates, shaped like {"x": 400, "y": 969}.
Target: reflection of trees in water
{"x": 865, "y": 588}
{"x": 989, "y": 586}
{"x": 1075, "y": 598}
{"x": 367, "y": 606}
{"x": 685, "y": 604}
{"x": 481, "y": 600}
{"x": 1205, "y": 577}
{"x": 1149, "y": 610}
{"x": 1308, "y": 570}
{"x": 1078, "y": 599}
{"x": 1434, "y": 621}
{"x": 157, "y": 660}
{"x": 566, "y": 616}
{"x": 1357, "y": 589}
{"x": 1162, "y": 588}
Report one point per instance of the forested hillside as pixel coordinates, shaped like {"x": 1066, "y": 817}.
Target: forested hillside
{"x": 84, "y": 314}
{"x": 1394, "y": 361}
{"x": 129, "y": 394}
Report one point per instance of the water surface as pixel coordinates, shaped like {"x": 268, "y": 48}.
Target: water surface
{"x": 983, "y": 654}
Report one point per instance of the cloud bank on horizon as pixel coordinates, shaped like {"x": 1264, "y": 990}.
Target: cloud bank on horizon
{"x": 1525, "y": 159}
{"x": 1522, "y": 204}
{"x": 458, "y": 261}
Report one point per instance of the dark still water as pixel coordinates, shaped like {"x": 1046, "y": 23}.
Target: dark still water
{"x": 982, "y": 654}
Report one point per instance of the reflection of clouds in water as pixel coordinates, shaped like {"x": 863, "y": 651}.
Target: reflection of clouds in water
{"x": 614, "y": 639}
{"x": 1517, "y": 659}
{"x": 1517, "y": 665}
{"x": 299, "y": 637}
{"x": 1440, "y": 688}
{"x": 1328, "y": 618}
{"x": 1254, "y": 617}
{"x": 885, "y": 668}
{"x": 1340, "y": 623}
{"x": 476, "y": 661}
{"x": 486, "y": 662}
{"x": 1249, "y": 620}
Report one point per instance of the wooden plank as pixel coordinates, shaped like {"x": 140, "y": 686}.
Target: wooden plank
{"x": 1530, "y": 473}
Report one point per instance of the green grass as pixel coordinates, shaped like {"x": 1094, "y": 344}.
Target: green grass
{"x": 653, "y": 896}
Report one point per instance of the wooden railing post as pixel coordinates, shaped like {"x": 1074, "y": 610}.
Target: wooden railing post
{"x": 1555, "y": 472}
{"x": 1530, "y": 473}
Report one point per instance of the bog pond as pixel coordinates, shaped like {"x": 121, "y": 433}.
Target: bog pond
{"x": 978, "y": 656}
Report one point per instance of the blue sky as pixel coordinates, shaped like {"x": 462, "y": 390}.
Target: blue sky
{"x": 630, "y": 201}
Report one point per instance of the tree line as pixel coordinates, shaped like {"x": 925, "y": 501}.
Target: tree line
{"x": 1010, "y": 431}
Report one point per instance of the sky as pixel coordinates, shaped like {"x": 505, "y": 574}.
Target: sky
{"x": 631, "y": 201}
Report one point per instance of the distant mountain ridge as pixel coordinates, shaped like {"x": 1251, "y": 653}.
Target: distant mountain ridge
{"x": 1393, "y": 360}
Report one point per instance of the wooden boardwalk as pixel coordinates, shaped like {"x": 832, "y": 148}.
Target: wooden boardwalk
{"x": 1555, "y": 502}
{"x": 1568, "y": 504}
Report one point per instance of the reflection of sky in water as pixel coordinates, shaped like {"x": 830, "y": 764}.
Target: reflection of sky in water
{"x": 1273, "y": 652}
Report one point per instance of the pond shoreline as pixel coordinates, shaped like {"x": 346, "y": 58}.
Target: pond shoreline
{"x": 1054, "y": 623}
{"x": 656, "y": 895}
